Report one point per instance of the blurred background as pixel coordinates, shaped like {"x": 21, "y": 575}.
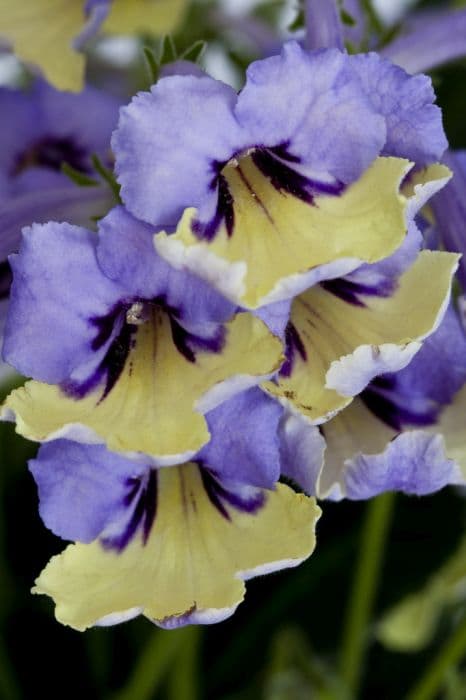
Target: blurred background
{"x": 285, "y": 641}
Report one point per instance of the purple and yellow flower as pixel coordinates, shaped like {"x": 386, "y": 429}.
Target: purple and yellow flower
{"x": 176, "y": 543}
{"x": 41, "y": 129}
{"x": 300, "y": 205}
{"x": 127, "y": 351}
{"x": 266, "y": 268}
{"x": 404, "y": 432}
{"x": 50, "y": 33}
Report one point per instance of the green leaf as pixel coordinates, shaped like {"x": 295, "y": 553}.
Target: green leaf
{"x": 298, "y": 22}
{"x": 79, "y": 178}
{"x": 346, "y": 18}
{"x": 152, "y": 65}
{"x": 168, "y": 52}
{"x": 194, "y": 52}
{"x": 108, "y": 176}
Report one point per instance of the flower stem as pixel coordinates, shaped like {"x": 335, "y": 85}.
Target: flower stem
{"x": 154, "y": 664}
{"x": 453, "y": 651}
{"x": 184, "y": 681}
{"x": 354, "y": 640}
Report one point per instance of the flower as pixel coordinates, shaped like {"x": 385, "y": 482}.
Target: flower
{"x": 287, "y": 206}
{"x": 133, "y": 352}
{"x": 271, "y": 196}
{"x": 41, "y": 129}
{"x": 402, "y": 433}
{"x": 175, "y": 544}
{"x": 50, "y": 33}
{"x": 266, "y": 268}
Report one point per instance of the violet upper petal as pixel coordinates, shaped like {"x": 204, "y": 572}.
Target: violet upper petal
{"x": 415, "y": 463}
{"x": 168, "y": 144}
{"x": 58, "y": 288}
{"x": 82, "y": 488}
{"x": 314, "y": 104}
{"x": 126, "y": 254}
{"x": 323, "y": 25}
{"x": 413, "y": 122}
{"x": 244, "y": 444}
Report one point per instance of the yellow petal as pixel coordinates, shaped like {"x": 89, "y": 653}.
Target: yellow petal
{"x": 452, "y": 425}
{"x": 151, "y": 408}
{"x": 195, "y": 559}
{"x": 42, "y": 32}
{"x": 155, "y": 16}
{"x": 278, "y": 239}
{"x": 345, "y": 343}
{"x": 353, "y": 431}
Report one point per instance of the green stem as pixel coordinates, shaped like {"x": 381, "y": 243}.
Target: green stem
{"x": 453, "y": 651}
{"x": 184, "y": 680}
{"x": 365, "y": 582}
{"x": 9, "y": 689}
{"x": 153, "y": 665}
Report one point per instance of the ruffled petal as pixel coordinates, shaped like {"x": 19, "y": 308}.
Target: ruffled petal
{"x": 419, "y": 188}
{"x": 280, "y": 244}
{"x": 451, "y": 426}
{"x": 126, "y": 254}
{"x": 313, "y": 103}
{"x": 82, "y": 488}
{"x": 42, "y": 31}
{"x": 365, "y": 457}
{"x": 410, "y": 319}
{"x": 58, "y": 290}
{"x": 168, "y": 143}
{"x": 302, "y": 450}
{"x": 197, "y": 567}
{"x": 244, "y": 440}
{"x": 336, "y": 345}
{"x": 415, "y": 463}
{"x": 413, "y": 122}
{"x": 152, "y": 387}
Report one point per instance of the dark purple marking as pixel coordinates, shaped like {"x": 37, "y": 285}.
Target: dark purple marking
{"x": 116, "y": 356}
{"x": 276, "y": 163}
{"x": 6, "y": 278}
{"x": 51, "y": 152}
{"x": 111, "y": 366}
{"x": 114, "y": 328}
{"x": 223, "y": 213}
{"x": 188, "y": 343}
{"x": 105, "y": 325}
{"x": 271, "y": 162}
{"x": 351, "y": 291}
{"x": 293, "y": 345}
{"x": 219, "y": 496}
{"x": 143, "y": 514}
{"x": 381, "y": 399}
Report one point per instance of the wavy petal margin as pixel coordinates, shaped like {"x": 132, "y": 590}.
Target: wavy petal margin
{"x": 345, "y": 345}
{"x": 151, "y": 407}
{"x": 193, "y": 564}
{"x": 278, "y": 240}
